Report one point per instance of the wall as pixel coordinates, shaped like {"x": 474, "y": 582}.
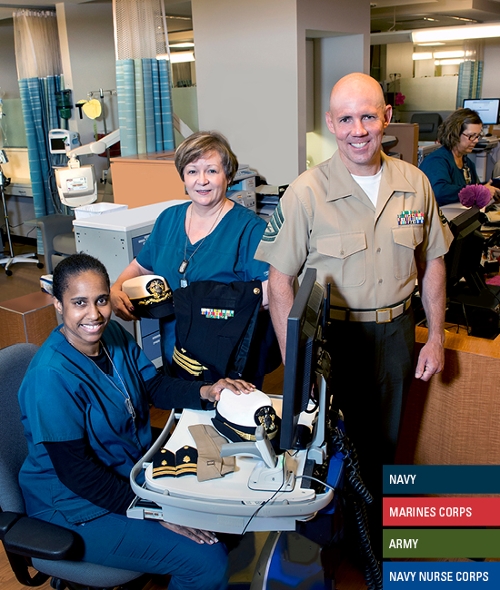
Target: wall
{"x": 251, "y": 72}
{"x": 399, "y": 59}
{"x": 430, "y": 94}
{"x": 8, "y": 72}
{"x": 491, "y": 79}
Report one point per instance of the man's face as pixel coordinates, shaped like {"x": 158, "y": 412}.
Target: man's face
{"x": 358, "y": 118}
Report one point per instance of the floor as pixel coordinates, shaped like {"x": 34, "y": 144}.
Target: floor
{"x": 25, "y": 279}
{"x": 25, "y": 276}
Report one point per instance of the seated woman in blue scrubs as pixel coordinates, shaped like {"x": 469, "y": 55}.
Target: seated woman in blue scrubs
{"x": 209, "y": 238}
{"x": 448, "y": 168}
{"x": 85, "y": 410}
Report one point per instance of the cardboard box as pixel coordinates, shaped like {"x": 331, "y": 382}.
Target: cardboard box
{"x": 29, "y": 318}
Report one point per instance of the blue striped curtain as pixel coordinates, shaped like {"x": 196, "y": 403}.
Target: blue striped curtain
{"x": 470, "y": 80}
{"x": 144, "y": 106}
{"x": 38, "y": 100}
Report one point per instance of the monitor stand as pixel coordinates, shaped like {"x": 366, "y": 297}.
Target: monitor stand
{"x": 478, "y": 311}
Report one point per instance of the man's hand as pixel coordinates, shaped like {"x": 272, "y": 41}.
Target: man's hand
{"x": 238, "y": 386}
{"x": 430, "y": 361}
{"x": 196, "y": 535}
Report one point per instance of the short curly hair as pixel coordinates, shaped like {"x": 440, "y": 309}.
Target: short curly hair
{"x": 200, "y": 144}
{"x": 452, "y": 127}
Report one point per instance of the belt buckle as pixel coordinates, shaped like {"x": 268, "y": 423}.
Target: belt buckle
{"x": 383, "y": 310}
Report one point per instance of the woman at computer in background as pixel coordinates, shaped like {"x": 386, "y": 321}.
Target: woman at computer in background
{"x": 448, "y": 168}
{"x": 85, "y": 410}
{"x": 210, "y": 238}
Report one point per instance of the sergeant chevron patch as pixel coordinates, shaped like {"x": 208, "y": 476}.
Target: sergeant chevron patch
{"x": 274, "y": 224}
{"x": 443, "y": 219}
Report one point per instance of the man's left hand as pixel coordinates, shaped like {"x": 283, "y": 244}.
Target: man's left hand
{"x": 430, "y": 361}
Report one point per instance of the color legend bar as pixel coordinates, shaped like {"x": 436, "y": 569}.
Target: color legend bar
{"x": 441, "y": 479}
{"x": 460, "y": 511}
{"x": 441, "y": 543}
{"x": 437, "y": 575}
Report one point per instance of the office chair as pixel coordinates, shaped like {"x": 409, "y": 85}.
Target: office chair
{"x": 52, "y": 550}
{"x": 428, "y": 124}
{"x": 57, "y": 237}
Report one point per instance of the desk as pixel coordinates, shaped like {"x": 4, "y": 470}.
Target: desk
{"x": 454, "y": 419}
{"x": 19, "y": 197}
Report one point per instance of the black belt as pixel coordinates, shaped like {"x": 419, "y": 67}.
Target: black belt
{"x": 383, "y": 315}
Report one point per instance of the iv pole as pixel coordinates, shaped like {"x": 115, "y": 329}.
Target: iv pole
{"x": 11, "y": 259}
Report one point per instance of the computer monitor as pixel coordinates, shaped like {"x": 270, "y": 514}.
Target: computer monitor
{"x": 463, "y": 261}
{"x": 303, "y": 340}
{"x": 486, "y": 108}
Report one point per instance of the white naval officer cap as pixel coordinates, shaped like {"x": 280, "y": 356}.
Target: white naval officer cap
{"x": 237, "y": 416}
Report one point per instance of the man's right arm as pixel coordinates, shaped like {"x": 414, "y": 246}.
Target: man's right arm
{"x": 280, "y": 292}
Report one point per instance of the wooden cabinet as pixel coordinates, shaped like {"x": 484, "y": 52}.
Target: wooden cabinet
{"x": 145, "y": 179}
{"x": 30, "y": 318}
{"x": 454, "y": 419}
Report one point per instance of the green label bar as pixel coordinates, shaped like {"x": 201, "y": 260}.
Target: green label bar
{"x": 428, "y": 543}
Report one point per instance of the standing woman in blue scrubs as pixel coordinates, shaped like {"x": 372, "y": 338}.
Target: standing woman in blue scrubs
{"x": 209, "y": 238}
{"x": 85, "y": 410}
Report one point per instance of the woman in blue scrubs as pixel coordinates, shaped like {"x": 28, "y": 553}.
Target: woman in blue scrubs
{"x": 449, "y": 169}
{"x": 209, "y": 238}
{"x": 85, "y": 410}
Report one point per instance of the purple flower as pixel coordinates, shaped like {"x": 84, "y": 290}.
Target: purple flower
{"x": 399, "y": 99}
{"x": 474, "y": 195}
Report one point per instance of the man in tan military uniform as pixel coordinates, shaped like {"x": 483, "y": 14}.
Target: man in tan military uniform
{"x": 370, "y": 226}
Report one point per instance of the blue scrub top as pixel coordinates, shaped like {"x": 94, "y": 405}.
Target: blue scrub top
{"x": 226, "y": 255}
{"x": 65, "y": 396}
{"x": 446, "y": 178}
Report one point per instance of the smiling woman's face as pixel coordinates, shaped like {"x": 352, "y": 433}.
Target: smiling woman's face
{"x": 206, "y": 181}
{"x": 86, "y": 310}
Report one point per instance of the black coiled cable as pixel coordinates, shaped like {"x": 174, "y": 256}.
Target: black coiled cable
{"x": 357, "y": 497}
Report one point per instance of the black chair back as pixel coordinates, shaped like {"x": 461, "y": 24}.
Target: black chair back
{"x": 14, "y": 361}
{"x": 428, "y": 124}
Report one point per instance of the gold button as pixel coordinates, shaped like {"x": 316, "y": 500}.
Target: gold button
{"x": 256, "y": 291}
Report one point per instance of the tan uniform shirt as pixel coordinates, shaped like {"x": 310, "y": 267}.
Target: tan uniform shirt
{"x": 326, "y": 221}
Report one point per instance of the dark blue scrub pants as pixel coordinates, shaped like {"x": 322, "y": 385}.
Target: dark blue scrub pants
{"x": 146, "y": 546}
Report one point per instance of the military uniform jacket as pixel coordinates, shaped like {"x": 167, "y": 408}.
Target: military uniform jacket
{"x": 326, "y": 221}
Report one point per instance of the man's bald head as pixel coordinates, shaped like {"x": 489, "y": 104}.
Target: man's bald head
{"x": 358, "y": 117}
{"x": 356, "y": 83}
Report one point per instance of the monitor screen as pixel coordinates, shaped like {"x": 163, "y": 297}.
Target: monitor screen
{"x": 303, "y": 339}
{"x": 57, "y": 145}
{"x": 486, "y": 108}
{"x": 463, "y": 261}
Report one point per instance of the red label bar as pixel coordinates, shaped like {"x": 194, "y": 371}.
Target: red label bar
{"x": 443, "y": 511}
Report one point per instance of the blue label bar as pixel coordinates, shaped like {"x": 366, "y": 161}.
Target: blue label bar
{"x": 437, "y": 575}
{"x": 441, "y": 479}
